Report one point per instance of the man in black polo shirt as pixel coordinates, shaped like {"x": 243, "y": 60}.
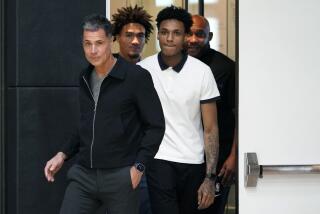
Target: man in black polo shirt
{"x": 223, "y": 70}
{"x": 121, "y": 127}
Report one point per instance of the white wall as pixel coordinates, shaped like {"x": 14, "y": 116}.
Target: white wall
{"x": 279, "y": 102}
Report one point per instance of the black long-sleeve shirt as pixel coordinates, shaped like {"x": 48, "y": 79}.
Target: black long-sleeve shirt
{"x": 125, "y": 126}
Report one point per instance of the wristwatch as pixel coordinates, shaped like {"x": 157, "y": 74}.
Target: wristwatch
{"x": 140, "y": 167}
{"x": 211, "y": 176}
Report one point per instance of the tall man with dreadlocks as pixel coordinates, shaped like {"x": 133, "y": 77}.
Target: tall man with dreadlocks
{"x": 132, "y": 28}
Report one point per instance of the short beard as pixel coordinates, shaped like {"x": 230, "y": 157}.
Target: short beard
{"x": 134, "y": 56}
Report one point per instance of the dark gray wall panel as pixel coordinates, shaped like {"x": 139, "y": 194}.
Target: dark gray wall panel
{"x": 43, "y": 59}
{"x": 2, "y": 109}
{"x": 11, "y": 157}
{"x": 47, "y": 41}
{"x": 44, "y": 118}
{"x": 10, "y": 48}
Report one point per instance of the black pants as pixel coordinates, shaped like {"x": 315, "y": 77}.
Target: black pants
{"x": 90, "y": 189}
{"x": 173, "y": 186}
{"x": 145, "y": 207}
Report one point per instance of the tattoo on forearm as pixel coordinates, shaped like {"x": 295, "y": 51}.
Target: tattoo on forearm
{"x": 211, "y": 148}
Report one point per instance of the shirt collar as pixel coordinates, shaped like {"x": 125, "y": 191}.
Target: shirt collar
{"x": 204, "y": 52}
{"x": 176, "y": 68}
{"x": 118, "y": 71}
{"x": 116, "y": 55}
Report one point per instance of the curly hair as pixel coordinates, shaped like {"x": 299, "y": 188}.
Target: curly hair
{"x": 126, "y": 15}
{"x": 177, "y": 13}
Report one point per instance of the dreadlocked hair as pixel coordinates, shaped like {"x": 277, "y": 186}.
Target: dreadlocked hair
{"x": 126, "y": 15}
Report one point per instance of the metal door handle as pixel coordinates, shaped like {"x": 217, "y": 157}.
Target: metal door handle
{"x": 253, "y": 170}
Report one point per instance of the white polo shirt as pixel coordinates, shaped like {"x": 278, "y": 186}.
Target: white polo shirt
{"x": 181, "y": 90}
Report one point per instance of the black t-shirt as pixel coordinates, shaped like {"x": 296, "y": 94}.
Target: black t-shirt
{"x": 223, "y": 69}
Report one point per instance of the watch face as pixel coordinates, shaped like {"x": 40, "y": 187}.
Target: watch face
{"x": 140, "y": 167}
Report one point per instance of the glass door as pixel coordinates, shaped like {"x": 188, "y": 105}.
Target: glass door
{"x": 221, "y": 17}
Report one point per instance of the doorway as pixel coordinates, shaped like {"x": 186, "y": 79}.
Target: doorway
{"x": 221, "y": 15}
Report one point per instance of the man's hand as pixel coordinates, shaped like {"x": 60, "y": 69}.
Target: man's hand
{"x": 136, "y": 176}
{"x": 206, "y": 194}
{"x": 54, "y": 165}
{"x": 228, "y": 169}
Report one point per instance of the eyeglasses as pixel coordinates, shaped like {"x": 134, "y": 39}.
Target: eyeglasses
{"x": 130, "y": 36}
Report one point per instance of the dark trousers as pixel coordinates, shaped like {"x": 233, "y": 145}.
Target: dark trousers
{"x": 173, "y": 186}
{"x": 145, "y": 207}
{"x": 89, "y": 189}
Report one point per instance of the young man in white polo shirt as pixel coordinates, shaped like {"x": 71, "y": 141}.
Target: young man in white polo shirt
{"x": 179, "y": 181}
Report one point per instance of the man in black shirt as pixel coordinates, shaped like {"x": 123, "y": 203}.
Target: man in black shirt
{"x": 121, "y": 127}
{"x": 132, "y": 29}
{"x": 223, "y": 70}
